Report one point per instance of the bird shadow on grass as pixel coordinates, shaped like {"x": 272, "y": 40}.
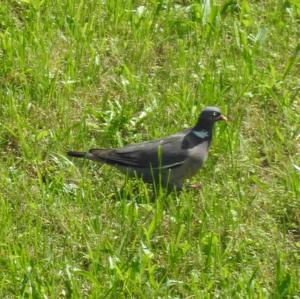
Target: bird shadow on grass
{"x": 140, "y": 192}
{"x": 134, "y": 189}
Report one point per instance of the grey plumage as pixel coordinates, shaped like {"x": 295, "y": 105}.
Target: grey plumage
{"x": 169, "y": 160}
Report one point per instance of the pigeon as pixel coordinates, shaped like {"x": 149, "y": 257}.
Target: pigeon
{"x": 168, "y": 161}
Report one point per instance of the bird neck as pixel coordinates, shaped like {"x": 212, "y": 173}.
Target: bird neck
{"x": 203, "y": 128}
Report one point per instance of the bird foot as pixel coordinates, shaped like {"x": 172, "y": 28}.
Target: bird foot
{"x": 196, "y": 186}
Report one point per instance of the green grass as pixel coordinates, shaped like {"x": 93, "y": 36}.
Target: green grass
{"x": 80, "y": 74}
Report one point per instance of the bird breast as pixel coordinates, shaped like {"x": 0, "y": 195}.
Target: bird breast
{"x": 196, "y": 157}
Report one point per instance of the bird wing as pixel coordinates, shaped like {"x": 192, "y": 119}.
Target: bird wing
{"x": 165, "y": 153}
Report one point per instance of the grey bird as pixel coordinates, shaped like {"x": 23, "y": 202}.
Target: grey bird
{"x": 168, "y": 161}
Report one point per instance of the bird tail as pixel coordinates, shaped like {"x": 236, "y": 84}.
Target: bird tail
{"x": 93, "y": 154}
{"x": 84, "y": 155}
{"x": 76, "y": 154}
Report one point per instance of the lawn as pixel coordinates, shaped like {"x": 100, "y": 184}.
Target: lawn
{"x": 84, "y": 74}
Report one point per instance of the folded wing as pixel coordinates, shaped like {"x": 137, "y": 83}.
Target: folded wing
{"x": 164, "y": 153}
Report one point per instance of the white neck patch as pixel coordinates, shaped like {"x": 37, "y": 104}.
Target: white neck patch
{"x": 201, "y": 134}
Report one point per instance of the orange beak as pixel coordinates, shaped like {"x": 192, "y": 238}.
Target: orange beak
{"x": 222, "y": 117}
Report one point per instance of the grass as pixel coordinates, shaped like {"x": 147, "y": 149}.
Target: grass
{"x": 80, "y": 74}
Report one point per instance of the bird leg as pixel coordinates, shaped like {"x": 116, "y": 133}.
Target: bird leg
{"x": 196, "y": 186}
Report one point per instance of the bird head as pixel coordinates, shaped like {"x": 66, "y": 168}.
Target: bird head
{"x": 212, "y": 114}
{"x": 209, "y": 116}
